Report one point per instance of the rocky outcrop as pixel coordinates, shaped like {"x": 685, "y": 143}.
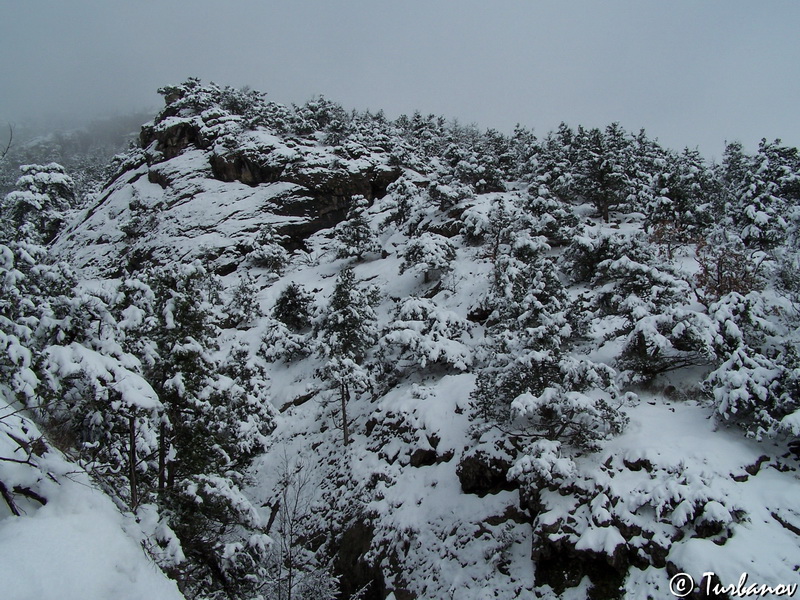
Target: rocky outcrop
{"x": 239, "y": 166}
{"x": 215, "y": 184}
{"x": 560, "y": 566}
{"x": 171, "y": 138}
{"x": 355, "y": 572}
{"x": 482, "y": 471}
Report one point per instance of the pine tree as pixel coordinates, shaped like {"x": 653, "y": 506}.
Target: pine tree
{"x": 354, "y": 236}
{"x": 216, "y": 418}
{"x": 293, "y": 307}
{"x": 680, "y": 198}
{"x": 286, "y": 337}
{"x": 603, "y": 168}
{"x": 36, "y": 211}
{"x": 762, "y": 206}
{"x": 346, "y": 333}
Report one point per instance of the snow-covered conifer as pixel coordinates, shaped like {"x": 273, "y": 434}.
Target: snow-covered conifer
{"x": 355, "y": 237}
{"x": 293, "y": 307}
{"x": 267, "y": 252}
{"x": 430, "y": 254}
{"x": 36, "y": 210}
{"x": 243, "y": 307}
{"x": 347, "y": 331}
{"x": 424, "y": 334}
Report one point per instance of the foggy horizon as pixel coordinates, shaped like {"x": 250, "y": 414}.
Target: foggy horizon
{"x": 691, "y": 75}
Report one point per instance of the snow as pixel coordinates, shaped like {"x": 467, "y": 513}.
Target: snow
{"x": 134, "y": 391}
{"x": 678, "y": 478}
{"x": 686, "y": 435}
{"x": 76, "y": 547}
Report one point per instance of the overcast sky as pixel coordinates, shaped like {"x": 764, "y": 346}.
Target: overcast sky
{"x": 692, "y": 73}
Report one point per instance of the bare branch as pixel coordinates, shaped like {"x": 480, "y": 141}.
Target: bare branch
{"x": 9, "y": 499}
{"x": 18, "y": 461}
{"x": 29, "y": 493}
{"x": 10, "y": 139}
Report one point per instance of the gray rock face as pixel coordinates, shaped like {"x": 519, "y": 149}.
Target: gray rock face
{"x": 197, "y": 190}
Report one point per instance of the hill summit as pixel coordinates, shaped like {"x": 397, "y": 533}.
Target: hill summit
{"x": 318, "y": 353}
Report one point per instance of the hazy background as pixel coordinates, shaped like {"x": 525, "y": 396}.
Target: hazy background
{"x": 691, "y": 73}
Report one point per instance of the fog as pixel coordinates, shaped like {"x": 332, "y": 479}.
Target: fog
{"x": 691, "y": 73}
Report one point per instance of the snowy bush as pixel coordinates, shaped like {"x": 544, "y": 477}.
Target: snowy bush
{"x": 243, "y": 307}
{"x": 622, "y": 517}
{"x": 267, "y": 252}
{"x": 551, "y": 218}
{"x": 424, "y": 333}
{"x": 542, "y": 394}
{"x": 587, "y": 251}
{"x": 755, "y": 391}
{"x": 581, "y": 407}
{"x": 280, "y": 342}
{"x": 407, "y": 205}
{"x": 293, "y": 307}
{"x": 674, "y": 339}
{"x": 755, "y": 381}
{"x": 636, "y": 289}
{"x": 430, "y": 254}
{"x": 36, "y": 210}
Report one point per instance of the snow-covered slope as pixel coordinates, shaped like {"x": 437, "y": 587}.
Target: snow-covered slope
{"x": 548, "y": 404}
{"x": 77, "y": 545}
{"x": 211, "y": 201}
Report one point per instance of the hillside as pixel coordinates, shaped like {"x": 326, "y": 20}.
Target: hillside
{"x": 317, "y": 353}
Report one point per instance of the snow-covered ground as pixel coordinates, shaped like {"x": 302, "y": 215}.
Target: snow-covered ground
{"x": 78, "y": 546}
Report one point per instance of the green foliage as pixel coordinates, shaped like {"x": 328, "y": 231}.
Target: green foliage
{"x": 35, "y": 211}
{"x": 680, "y": 196}
{"x": 355, "y": 236}
{"x": 243, "y": 307}
{"x": 347, "y": 330}
{"x": 673, "y": 339}
{"x": 267, "y": 251}
{"x": 293, "y": 307}
{"x": 759, "y": 192}
{"x": 217, "y": 416}
{"x": 426, "y": 334}
{"x": 430, "y": 254}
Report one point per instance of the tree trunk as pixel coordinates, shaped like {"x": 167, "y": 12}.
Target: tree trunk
{"x": 132, "y": 461}
{"x": 162, "y": 458}
{"x": 605, "y": 211}
{"x": 344, "y": 393}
